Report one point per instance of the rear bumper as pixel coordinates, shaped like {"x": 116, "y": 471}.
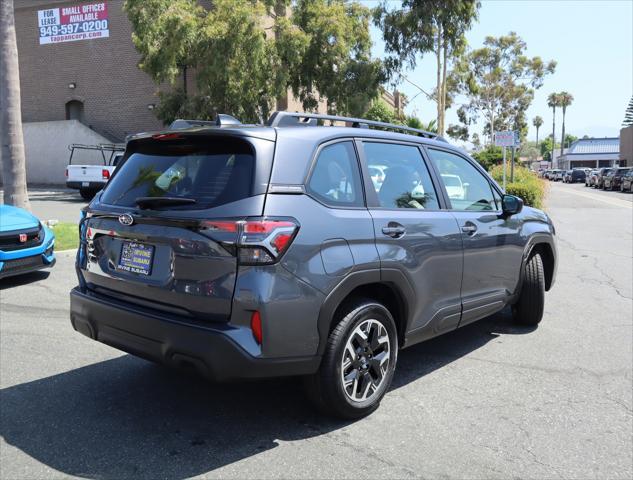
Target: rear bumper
{"x": 90, "y": 186}
{"x": 213, "y": 350}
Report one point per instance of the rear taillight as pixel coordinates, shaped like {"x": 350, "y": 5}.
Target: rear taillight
{"x": 105, "y": 174}
{"x": 66, "y": 173}
{"x": 259, "y": 241}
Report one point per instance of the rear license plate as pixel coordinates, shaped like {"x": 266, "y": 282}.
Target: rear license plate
{"x": 85, "y": 184}
{"x": 136, "y": 258}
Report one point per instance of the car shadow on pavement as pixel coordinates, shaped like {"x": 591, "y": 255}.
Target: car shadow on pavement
{"x": 24, "y": 279}
{"x": 126, "y": 418}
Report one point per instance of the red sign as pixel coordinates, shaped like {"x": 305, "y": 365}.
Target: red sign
{"x": 84, "y": 13}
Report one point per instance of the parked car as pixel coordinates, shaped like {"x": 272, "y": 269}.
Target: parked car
{"x": 591, "y": 177}
{"x": 259, "y": 251}
{"x": 626, "y": 185}
{"x": 602, "y": 173}
{"x": 90, "y": 178}
{"x": 454, "y": 186}
{"x": 574, "y": 175}
{"x": 377, "y": 174}
{"x": 26, "y": 245}
{"x": 557, "y": 175}
{"x": 613, "y": 179}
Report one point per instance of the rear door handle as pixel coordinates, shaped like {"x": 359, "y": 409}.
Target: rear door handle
{"x": 469, "y": 228}
{"x": 394, "y": 231}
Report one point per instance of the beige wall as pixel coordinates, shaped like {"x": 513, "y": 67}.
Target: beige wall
{"x": 46, "y": 146}
{"x": 626, "y": 146}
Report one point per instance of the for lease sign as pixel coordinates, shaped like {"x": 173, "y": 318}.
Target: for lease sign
{"x": 69, "y": 24}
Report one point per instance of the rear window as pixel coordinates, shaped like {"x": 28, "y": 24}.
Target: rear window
{"x": 210, "y": 175}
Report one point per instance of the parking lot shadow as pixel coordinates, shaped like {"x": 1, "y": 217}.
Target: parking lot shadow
{"x": 24, "y": 279}
{"x": 126, "y": 418}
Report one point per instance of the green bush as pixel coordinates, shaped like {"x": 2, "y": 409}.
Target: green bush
{"x": 526, "y": 184}
{"x": 530, "y": 194}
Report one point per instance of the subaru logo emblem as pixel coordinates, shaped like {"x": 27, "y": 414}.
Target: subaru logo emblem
{"x": 126, "y": 219}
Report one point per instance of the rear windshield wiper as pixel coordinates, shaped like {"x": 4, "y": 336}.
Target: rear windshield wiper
{"x": 149, "y": 202}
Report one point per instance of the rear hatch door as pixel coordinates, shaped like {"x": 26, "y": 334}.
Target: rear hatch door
{"x": 161, "y": 235}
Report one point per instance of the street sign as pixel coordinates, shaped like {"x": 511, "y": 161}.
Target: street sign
{"x": 505, "y": 139}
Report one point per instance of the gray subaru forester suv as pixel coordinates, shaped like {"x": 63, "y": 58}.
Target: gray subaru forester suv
{"x": 248, "y": 251}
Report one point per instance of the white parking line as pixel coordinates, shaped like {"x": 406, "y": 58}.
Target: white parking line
{"x": 610, "y": 201}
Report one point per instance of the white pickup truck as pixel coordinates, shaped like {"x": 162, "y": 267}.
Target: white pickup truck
{"x": 90, "y": 178}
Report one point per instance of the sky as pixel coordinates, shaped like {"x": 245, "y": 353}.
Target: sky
{"x": 591, "y": 40}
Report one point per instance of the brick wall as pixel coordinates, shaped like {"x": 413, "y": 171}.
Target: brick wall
{"x": 115, "y": 93}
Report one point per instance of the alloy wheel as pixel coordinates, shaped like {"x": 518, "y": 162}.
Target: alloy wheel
{"x": 365, "y": 360}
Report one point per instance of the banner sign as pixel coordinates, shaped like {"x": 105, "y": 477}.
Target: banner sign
{"x": 69, "y": 24}
{"x": 505, "y": 139}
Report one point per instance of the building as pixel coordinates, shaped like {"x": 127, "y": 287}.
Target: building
{"x": 591, "y": 153}
{"x": 89, "y": 76}
{"x": 626, "y": 146}
{"x": 80, "y": 81}
{"x": 92, "y": 76}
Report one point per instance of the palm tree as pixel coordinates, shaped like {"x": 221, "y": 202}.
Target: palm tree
{"x": 565, "y": 100}
{"x": 12, "y": 152}
{"x": 537, "y": 122}
{"x": 553, "y": 101}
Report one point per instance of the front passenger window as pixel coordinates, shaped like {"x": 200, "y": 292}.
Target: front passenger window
{"x": 466, "y": 186}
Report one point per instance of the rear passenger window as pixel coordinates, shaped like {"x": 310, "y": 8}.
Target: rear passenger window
{"x": 400, "y": 176}
{"x": 335, "y": 179}
{"x": 467, "y": 187}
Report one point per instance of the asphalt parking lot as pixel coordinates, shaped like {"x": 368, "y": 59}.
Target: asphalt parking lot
{"x": 491, "y": 400}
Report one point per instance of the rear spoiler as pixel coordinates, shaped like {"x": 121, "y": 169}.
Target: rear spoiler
{"x": 222, "y": 120}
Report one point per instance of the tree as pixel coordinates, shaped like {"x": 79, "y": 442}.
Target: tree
{"x": 553, "y": 101}
{"x": 565, "y": 99}
{"x": 547, "y": 147}
{"x": 458, "y": 132}
{"x": 243, "y": 64}
{"x": 12, "y": 152}
{"x": 380, "y": 112}
{"x": 336, "y": 63}
{"x": 569, "y": 139}
{"x": 500, "y": 80}
{"x": 537, "y": 122}
{"x": 628, "y": 115}
{"x": 489, "y": 156}
{"x": 415, "y": 122}
{"x": 419, "y": 27}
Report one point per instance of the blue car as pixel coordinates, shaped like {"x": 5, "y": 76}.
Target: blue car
{"x": 25, "y": 244}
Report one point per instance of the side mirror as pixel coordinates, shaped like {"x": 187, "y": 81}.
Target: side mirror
{"x": 511, "y": 205}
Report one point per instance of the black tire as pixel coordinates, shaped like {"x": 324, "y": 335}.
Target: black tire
{"x": 529, "y": 308}
{"x": 325, "y": 388}
{"x": 86, "y": 193}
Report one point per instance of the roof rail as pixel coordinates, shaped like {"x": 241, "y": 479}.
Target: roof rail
{"x": 222, "y": 120}
{"x": 286, "y": 119}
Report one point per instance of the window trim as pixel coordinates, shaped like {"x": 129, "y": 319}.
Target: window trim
{"x": 313, "y": 162}
{"x": 372, "y": 197}
{"x": 491, "y": 183}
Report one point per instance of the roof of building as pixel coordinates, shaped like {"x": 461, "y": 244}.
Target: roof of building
{"x": 595, "y": 145}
